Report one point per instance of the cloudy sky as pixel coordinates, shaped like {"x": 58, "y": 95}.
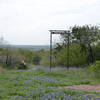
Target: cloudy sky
{"x": 28, "y": 21}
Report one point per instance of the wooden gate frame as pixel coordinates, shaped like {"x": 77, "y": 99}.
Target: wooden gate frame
{"x": 61, "y": 32}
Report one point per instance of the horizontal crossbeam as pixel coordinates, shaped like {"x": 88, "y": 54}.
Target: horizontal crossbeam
{"x": 60, "y": 31}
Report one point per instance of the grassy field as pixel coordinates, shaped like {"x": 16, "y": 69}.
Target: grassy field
{"x": 41, "y": 84}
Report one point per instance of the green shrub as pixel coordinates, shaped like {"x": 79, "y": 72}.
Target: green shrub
{"x": 96, "y": 68}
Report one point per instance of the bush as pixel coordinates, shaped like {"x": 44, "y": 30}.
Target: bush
{"x": 96, "y": 49}
{"x": 96, "y": 69}
{"x": 77, "y": 57}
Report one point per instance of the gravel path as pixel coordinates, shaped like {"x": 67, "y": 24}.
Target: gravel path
{"x": 89, "y": 88}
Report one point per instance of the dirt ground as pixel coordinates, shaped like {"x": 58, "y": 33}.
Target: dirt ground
{"x": 88, "y": 88}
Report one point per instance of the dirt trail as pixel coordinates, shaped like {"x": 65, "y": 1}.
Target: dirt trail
{"x": 89, "y": 88}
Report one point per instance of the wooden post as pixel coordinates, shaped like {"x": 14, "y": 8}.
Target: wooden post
{"x": 50, "y": 51}
{"x": 68, "y": 52}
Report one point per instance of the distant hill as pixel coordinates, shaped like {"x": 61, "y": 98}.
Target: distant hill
{"x": 32, "y": 47}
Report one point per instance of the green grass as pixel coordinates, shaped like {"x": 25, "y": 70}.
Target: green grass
{"x": 33, "y": 84}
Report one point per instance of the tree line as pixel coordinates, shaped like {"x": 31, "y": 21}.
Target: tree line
{"x": 84, "y": 49}
{"x": 84, "y": 46}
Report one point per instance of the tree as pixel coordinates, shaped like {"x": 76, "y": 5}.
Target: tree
{"x": 8, "y": 55}
{"x": 86, "y": 36}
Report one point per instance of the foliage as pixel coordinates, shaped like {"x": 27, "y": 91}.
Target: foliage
{"x": 86, "y": 36}
{"x": 76, "y": 57}
{"x": 26, "y": 55}
{"x": 96, "y": 68}
{"x": 36, "y": 59}
{"x": 45, "y": 58}
{"x": 96, "y": 50}
{"x": 83, "y": 47}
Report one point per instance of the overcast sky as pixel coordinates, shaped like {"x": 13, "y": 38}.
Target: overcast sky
{"x": 28, "y": 21}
